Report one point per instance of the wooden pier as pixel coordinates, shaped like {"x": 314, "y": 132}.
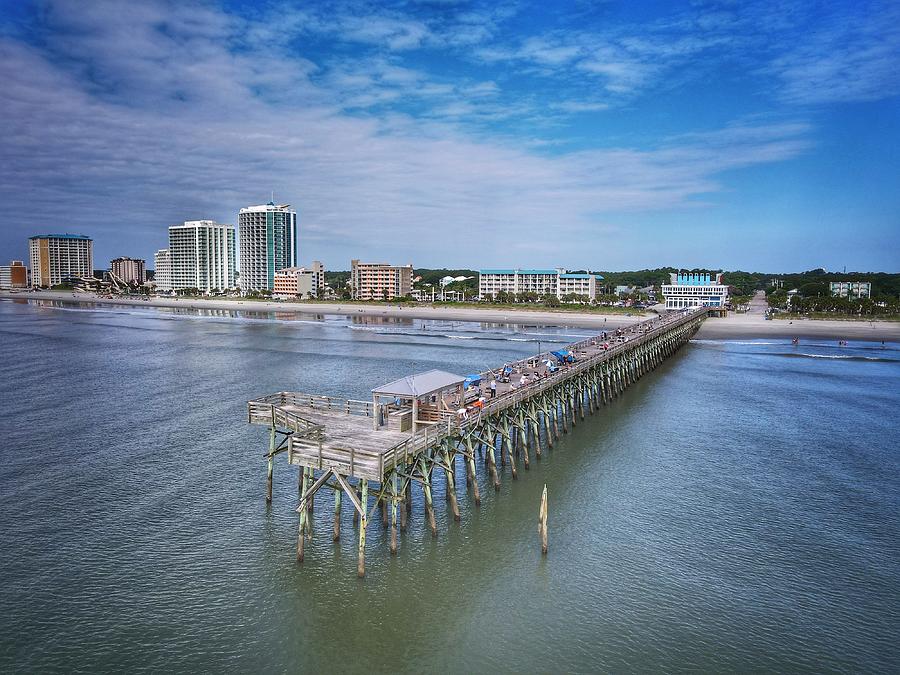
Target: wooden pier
{"x": 372, "y": 452}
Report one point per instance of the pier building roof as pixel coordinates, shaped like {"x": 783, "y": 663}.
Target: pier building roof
{"x": 420, "y": 384}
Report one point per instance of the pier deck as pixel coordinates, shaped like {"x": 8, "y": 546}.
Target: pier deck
{"x": 338, "y": 442}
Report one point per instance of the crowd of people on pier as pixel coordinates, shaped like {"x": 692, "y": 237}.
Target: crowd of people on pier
{"x": 530, "y": 371}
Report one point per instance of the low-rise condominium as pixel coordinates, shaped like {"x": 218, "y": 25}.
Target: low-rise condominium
{"x": 300, "y": 282}
{"x": 14, "y": 275}
{"x": 542, "y": 282}
{"x": 851, "y": 289}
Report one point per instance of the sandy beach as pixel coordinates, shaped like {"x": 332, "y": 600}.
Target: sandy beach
{"x": 524, "y": 316}
{"x": 734, "y": 327}
{"x": 747, "y": 326}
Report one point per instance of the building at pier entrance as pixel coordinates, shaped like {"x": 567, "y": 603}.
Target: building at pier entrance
{"x": 695, "y": 289}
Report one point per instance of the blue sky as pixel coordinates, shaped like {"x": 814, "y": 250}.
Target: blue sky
{"x": 737, "y": 135}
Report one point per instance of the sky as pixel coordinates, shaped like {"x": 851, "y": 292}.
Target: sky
{"x": 762, "y": 136}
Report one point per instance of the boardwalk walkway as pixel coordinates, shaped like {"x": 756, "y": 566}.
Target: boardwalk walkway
{"x": 351, "y": 446}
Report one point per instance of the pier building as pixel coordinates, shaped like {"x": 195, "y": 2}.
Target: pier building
{"x": 436, "y": 425}
{"x": 686, "y": 290}
{"x": 380, "y": 281}
{"x": 60, "y": 258}
{"x": 268, "y": 238}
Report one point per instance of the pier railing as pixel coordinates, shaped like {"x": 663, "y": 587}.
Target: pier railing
{"x": 632, "y": 340}
{"x": 315, "y": 401}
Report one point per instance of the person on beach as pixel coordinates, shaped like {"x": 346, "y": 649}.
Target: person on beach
{"x": 493, "y": 388}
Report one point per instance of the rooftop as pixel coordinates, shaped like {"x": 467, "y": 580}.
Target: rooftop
{"x": 61, "y": 236}
{"x": 262, "y": 208}
{"x": 420, "y": 384}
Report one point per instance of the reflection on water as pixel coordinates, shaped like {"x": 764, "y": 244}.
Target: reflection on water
{"x": 735, "y": 510}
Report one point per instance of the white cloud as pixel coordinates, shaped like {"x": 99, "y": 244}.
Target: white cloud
{"x": 123, "y": 129}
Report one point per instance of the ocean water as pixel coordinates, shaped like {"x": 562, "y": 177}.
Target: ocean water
{"x": 736, "y": 510}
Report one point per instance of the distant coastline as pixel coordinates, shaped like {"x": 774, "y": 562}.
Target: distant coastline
{"x": 734, "y": 327}
{"x": 543, "y": 316}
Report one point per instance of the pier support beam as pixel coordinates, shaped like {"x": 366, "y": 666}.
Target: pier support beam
{"x": 363, "y": 523}
{"x": 451, "y": 485}
{"x": 426, "y": 489}
{"x": 337, "y": 513}
{"x": 470, "y": 460}
{"x": 304, "y": 513}
{"x": 270, "y": 468}
{"x": 394, "y": 498}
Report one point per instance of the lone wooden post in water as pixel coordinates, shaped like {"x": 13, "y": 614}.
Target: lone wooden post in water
{"x": 542, "y": 521}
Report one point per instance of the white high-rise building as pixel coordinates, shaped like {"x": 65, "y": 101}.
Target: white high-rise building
{"x": 162, "y": 270}
{"x": 268, "y": 235}
{"x": 202, "y": 255}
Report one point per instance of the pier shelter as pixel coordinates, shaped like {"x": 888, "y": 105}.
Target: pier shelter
{"x": 416, "y": 400}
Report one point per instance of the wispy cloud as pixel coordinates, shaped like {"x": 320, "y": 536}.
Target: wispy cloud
{"x": 850, "y": 56}
{"x": 174, "y": 111}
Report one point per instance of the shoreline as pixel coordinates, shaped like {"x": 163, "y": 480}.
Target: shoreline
{"x": 744, "y": 326}
{"x": 475, "y": 315}
{"x": 734, "y": 327}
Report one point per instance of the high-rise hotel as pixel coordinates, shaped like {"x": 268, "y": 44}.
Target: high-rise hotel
{"x": 268, "y": 235}
{"x": 201, "y": 255}
{"x": 60, "y": 258}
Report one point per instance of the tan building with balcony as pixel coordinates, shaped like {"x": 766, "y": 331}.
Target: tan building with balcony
{"x": 380, "y": 281}
{"x": 60, "y": 258}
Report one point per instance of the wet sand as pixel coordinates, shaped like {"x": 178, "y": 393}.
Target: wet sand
{"x": 487, "y": 315}
{"x": 743, "y": 326}
{"x": 734, "y": 327}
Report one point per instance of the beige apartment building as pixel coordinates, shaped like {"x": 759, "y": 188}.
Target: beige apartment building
{"x": 129, "y": 270}
{"x": 299, "y": 282}
{"x": 60, "y": 258}
{"x": 380, "y": 281}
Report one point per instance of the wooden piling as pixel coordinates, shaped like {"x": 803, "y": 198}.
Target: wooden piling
{"x": 451, "y": 486}
{"x": 429, "y": 505}
{"x": 304, "y": 515}
{"x": 363, "y": 523}
{"x": 394, "y": 498}
{"x": 542, "y": 521}
{"x": 337, "y": 513}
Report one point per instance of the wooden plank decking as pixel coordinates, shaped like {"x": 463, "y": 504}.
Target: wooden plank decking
{"x": 329, "y": 433}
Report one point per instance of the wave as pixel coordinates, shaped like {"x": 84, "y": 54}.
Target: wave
{"x": 839, "y": 357}
{"x": 738, "y": 342}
